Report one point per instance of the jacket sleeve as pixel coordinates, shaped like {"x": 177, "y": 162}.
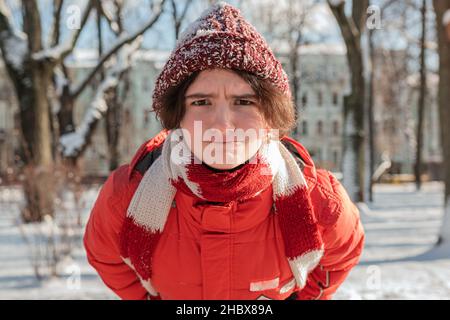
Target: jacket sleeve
{"x": 101, "y": 239}
{"x": 343, "y": 237}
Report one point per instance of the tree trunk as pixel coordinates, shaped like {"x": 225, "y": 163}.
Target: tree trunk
{"x": 65, "y": 114}
{"x": 31, "y": 74}
{"x": 36, "y": 143}
{"x": 295, "y": 84}
{"x": 113, "y": 124}
{"x": 371, "y": 111}
{"x": 353, "y": 136}
{"x": 421, "y": 102}
{"x": 353, "y": 155}
{"x": 32, "y": 91}
{"x": 440, "y": 7}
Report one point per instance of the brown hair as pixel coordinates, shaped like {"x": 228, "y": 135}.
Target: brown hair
{"x": 278, "y": 109}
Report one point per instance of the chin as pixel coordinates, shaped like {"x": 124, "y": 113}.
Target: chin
{"x": 224, "y": 166}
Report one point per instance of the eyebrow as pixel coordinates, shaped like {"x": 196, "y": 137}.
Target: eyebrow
{"x": 206, "y": 95}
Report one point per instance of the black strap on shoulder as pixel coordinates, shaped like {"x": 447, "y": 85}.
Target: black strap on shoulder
{"x": 145, "y": 163}
{"x": 293, "y": 150}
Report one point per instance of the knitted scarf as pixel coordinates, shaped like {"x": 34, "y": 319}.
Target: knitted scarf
{"x": 174, "y": 171}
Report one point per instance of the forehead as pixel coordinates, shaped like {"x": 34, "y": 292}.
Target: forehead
{"x": 217, "y": 79}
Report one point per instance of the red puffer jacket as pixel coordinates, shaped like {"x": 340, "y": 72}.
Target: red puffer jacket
{"x": 216, "y": 252}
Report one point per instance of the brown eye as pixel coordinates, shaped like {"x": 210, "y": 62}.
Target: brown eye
{"x": 199, "y": 103}
{"x": 244, "y": 102}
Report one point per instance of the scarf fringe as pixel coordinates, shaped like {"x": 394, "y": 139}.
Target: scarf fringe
{"x": 147, "y": 284}
{"x": 303, "y": 265}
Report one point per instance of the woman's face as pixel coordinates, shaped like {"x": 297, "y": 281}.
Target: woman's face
{"x": 223, "y": 119}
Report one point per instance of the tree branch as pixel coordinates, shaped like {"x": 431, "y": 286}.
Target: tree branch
{"x": 119, "y": 7}
{"x": 13, "y": 42}
{"x": 56, "y": 32}
{"x": 115, "y": 26}
{"x": 359, "y": 13}
{"x": 121, "y": 42}
{"x": 179, "y": 19}
{"x": 185, "y": 9}
{"x": 74, "y": 143}
{"x": 60, "y": 51}
{"x": 5, "y": 18}
{"x": 352, "y": 37}
{"x": 347, "y": 26}
{"x": 32, "y": 25}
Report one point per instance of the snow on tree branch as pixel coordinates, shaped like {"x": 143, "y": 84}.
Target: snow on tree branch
{"x": 55, "y": 32}
{"x": 60, "y": 51}
{"x": 5, "y": 17}
{"x": 75, "y": 142}
{"x": 53, "y": 53}
{"x": 60, "y": 81}
{"x": 118, "y": 60}
{"x": 122, "y": 40}
{"x": 446, "y": 18}
{"x": 109, "y": 12}
{"x": 13, "y": 42}
{"x": 14, "y": 48}
{"x": 336, "y": 3}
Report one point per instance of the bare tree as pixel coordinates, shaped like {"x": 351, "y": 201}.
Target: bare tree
{"x": 397, "y": 80}
{"x": 285, "y": 25}
{"x": 35, "y": 70}
{"x": 118, "y": 57}
{"x": 179, "y": 14}
{"x": 297, "y": 13}
{"x": 353, "y": 157}
{"x": 422, "y": 96}
{"x": 31, "y": 75}
{"x": 117, "y": 94}
{"x": 442, "y": 9}
{"x": 371, "y": 98}
{"x": 370, "y": 109}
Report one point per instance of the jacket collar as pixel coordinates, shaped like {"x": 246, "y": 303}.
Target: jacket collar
{"x": 229, "y": 217}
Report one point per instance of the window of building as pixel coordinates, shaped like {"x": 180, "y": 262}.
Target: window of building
{"x": 319, "y": 127}
{"x": 305, "y": 128}
{"x": 319, "y": 98}
{"x": 304, "y": 99}
{"x": 335, "y": 157}
{"x": 146, "y": 117}
{"x": 335, "y": 127}
{"x": 319, "y": 155}
{"x": 335, "y": 99}
{"x": 145, "y": 84}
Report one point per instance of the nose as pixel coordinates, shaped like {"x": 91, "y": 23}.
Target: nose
{"x": 223, "y": 120}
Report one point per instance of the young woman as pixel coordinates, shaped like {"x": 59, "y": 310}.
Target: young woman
{"x": 222, "y": 204}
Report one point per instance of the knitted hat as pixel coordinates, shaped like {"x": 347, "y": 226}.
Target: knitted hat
{"x": 220, "y": 38}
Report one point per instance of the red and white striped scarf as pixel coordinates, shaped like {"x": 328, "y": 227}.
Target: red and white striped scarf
{"x": 174, "y": 171}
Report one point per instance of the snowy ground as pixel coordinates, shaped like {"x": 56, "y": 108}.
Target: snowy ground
{"x": 78, "y": 279}
{"x": 398, "y": 261}
{"x": 401, "y": 225}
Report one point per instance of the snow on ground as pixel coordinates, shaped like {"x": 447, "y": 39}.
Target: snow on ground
{"x": 398, "y": 262}
{"x": 17, "y": 280}
{"x": 400, "y": 225}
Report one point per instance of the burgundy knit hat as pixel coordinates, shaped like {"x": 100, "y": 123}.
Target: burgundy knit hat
{"x": 220, "y": 38}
